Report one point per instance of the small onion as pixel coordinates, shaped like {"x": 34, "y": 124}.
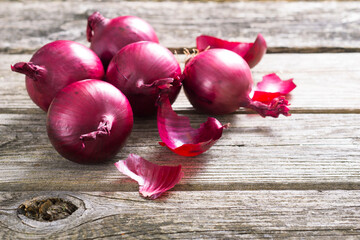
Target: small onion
{"x": 89, "y": 121}
{"x": 108, "y": 36}
{"x": 219, "y": 81}
{"x": 141, "y": 71}
{"x": 56, "y": 65}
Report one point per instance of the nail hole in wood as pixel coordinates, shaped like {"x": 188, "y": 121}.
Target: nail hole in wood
{"x": 47, "y": 210}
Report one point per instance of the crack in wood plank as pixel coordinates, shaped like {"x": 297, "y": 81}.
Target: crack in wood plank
{"x": 270, "y": 50}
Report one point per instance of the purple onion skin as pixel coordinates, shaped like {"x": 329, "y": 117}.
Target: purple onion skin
{"x": 143, "y": 63}
{"x": 56, "y": 65}
{"x": 76, "y": 117}
{"x": 217, "y": 81}
{"x": 108, "y": 36}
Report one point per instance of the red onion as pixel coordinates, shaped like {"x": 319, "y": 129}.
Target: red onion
{"x": 108, "y": 36}
{"x": 153, "y": 179}
{"x": 251, "y": 52}
{"x": 219, "y": 81}
{"x": 56, "y": 65}
{"x": 89, "y": 121}
{"x": 140, "y": 70}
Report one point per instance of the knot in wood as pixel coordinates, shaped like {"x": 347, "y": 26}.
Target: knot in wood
{"x": 47, "y": 210}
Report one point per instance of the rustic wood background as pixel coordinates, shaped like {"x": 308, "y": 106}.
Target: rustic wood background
{"x": 291, "y": 177}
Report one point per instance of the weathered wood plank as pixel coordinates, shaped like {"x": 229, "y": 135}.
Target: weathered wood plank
{"x": 325, "y": 82}
{"x": 192, "y": 215}
{"x": 304, "y": 151}
{"x": 304, "y": 26}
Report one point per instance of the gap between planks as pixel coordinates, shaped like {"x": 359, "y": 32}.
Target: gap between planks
{"x": 270, "y": 50}
{"x": 191, "y": 110}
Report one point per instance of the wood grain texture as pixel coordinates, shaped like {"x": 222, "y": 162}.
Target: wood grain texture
{"x": 305, "y": 26}
{"x": 326, "y": 83}
{"x": 304, "y": 151}
{"x": 192, "y": 215}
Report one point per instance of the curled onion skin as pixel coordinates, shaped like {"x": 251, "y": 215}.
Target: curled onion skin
{"x": 108, "y": 36}
{"x": 141, "y": 71}
{"x": 272, "y": 87}
{"x": 56, "y": 65}
{"x": 153, "y": 179}
{"x": 177, "y": 134}
{"x": 251, "y": 52}
{"x": 89, "y": 121}
{"x": 219, "y": 81}
{"x": 273, "y": 83}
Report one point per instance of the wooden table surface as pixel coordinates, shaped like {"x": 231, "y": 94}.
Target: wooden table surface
{"x": 291, "y": 177}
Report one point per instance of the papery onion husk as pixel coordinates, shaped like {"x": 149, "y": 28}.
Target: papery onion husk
{"x": 153, "y": 179}
{"x": 273, "y": 83}
{"x": 177, "y": 134}
{"x": 89, "y": 121}
{"x": 108, "y": 36}
{"x": 56, "y": 65}
{"x": 272, "y": 87}
{"x": 141, "y": 71}
{"x": 251, "y": 52}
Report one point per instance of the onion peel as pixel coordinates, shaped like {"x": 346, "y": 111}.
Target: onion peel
{"x": 272, "y": 87}
{"x": 251, "y": 52}
{"x": 153, "y": 179}
{"x": 272, "y": 83}
{"x": 177, "y": 134}
{"x": 272, "y": 108}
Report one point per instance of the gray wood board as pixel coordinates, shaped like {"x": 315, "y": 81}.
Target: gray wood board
{"x": 326, "y": 83}
{"x": 191, "y": 215}
{"x": 304, "y": 151}
{"x": 287, "y": 26}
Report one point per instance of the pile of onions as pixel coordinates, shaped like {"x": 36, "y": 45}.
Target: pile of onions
{"x": 108, "y": 36}
{"x": 89, "y": 121}
{"x": 56, "y": 65}
{"x": 141, "y": 71}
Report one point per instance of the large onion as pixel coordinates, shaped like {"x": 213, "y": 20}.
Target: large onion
{"x": 56, "y": 65}
{"x": 89, "y": 121}
{"x": 140, "y": 70}
{"x": 219, "y": 81}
